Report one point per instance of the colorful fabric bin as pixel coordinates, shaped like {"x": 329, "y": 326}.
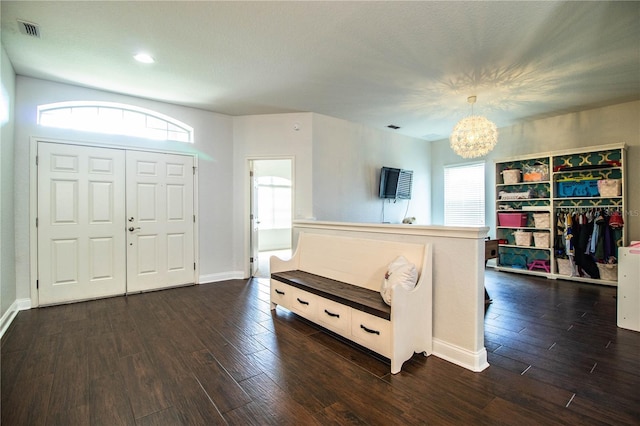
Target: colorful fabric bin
{"x": 516, "y": 220}
{"x": 578, "y": 188}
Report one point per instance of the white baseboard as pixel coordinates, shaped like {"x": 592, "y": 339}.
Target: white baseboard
{"x": 474, "y": 361}
{"x": 7, "y": 318}
{"x": 222, "y": 276}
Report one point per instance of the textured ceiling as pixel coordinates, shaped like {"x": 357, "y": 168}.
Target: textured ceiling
{"x": 411, "y": 64}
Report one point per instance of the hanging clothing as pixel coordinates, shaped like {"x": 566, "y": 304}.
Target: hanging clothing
{"x": 568, "y": 234}
{"x": 584, "y": 261}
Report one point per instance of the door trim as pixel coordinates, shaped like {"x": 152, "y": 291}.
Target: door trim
{"x": 33, "y": 203}
{"x": 247, "y": 202}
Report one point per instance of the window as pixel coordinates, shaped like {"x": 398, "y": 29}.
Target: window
{"x": 274, "y": 201}
{"x": 114, "y": 118}
{"x": 464, "y": 195}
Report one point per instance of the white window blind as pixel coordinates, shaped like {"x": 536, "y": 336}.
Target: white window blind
{"x": 464, "y": 195}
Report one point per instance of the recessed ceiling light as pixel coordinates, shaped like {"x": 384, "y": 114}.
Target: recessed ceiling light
{"x": 145, "y": 58}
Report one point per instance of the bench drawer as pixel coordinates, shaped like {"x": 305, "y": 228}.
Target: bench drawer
{"x": 371, "y": 332}
{"x": 281, "y": 293}
{"x": 303, "y": 303}
{"x": 334, "y": 316}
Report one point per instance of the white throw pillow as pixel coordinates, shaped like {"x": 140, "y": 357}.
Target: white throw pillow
{"x": 400, "y": 272}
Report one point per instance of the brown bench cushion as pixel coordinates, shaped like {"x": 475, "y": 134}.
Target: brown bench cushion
{"x": 359, "y": 298}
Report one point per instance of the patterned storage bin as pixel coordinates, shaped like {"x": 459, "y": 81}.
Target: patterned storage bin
{"x": 608, "y": 271}
{"x": 511, "y": 176}
{"x": 610, "y": 187}
{"x": 564, "y": 267}
{"x": 541, "y": 239}
{"x": 542, "y": 220}
{"x": 578, "y": 188}
{"x": 523, "y": 238}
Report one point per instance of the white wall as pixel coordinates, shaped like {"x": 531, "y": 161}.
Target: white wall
{"x": 7, "y": 246}
{"x": 601, "y": 126}
{"x": 264, "y": 137}
{"x": 274, "y": 239}
{"x": 336, "y": 168}
{"x": 213, "y": 144}
{"x": 347, "y": 159}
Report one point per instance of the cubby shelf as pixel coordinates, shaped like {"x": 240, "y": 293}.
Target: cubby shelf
{"x": 524, "y": 228}
{"x": 524, "y": 247}
{"x": 554, "y": 169}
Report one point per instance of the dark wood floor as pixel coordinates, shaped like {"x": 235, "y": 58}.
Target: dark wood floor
{"x": 215, "y": 354}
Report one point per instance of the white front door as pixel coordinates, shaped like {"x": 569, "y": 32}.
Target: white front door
{"x": 160, "y": 220}
{"x": 81, "y": 197}
{"x": 112, "y": 221}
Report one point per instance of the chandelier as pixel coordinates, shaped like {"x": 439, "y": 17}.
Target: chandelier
{"x": 473, "y": 136}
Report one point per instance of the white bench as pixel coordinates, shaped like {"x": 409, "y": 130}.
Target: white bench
{"x": 335, "y": 282}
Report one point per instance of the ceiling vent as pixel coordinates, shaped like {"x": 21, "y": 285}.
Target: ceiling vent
{"x": 29, "y": 29}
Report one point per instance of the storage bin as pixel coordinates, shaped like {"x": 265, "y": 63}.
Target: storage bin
{"x": 523, "y": 238}
{"x": 610, "y": 187}
{"x": 578, "y": 188}
{"x": 541, "y": 239}
{"x": 511, "y": 176}
{"x": 535, "y": 173}
{"x": 608, "y": 271}
{"x": 524, "y": 195}
{"x": 542, "y": 220}
{"x": 516, "y": 220}
{"x": 564, "y": 267}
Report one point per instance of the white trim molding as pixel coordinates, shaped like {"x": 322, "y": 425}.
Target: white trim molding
{"x": 8, "y": 317}
{"x": 474, "y": 361}
{"x": 222, "y": 276}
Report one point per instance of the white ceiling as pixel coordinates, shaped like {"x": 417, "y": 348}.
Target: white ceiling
{"x": 411, "y": 64}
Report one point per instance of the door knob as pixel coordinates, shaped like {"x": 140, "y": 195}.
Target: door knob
{"x": 131, "y": 228}
{"x": 131, "y": 219}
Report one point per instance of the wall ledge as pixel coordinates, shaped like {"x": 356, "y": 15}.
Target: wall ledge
{"x": 479, "y": 232}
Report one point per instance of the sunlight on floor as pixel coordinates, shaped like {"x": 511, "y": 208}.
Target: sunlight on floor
{"x": 263, "y": 261}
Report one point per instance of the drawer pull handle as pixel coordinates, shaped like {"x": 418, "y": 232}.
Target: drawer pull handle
{"x": 368, "y": 330}
{"x": 302, "y": 301}
{"x": 331, "y": 314}
{"x": 279, "y": 292}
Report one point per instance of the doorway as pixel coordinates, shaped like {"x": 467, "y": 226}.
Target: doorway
{"x": 271, "y": 212}
{"x": 112, "y": 221}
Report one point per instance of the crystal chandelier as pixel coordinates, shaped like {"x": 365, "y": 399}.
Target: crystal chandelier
{"x": 473, "y": 136}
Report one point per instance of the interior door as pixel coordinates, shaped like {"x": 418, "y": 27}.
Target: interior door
{"x": 255, "y": 222}
{"x": 160, "y": 220}
{"x": 81, "y": 200}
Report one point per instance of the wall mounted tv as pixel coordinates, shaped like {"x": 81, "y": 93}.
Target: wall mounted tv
{"x": 395, "y": 183}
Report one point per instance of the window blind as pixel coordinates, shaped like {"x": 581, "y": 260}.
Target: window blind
{"x": 464, "y": 195}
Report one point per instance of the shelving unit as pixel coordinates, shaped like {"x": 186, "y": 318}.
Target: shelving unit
{"x": 563, "y": 182}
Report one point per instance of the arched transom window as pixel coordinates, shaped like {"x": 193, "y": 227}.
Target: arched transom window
{"x": 114, "y": 118}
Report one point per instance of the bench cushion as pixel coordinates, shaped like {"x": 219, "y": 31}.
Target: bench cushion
{"x": 359, "y": 298}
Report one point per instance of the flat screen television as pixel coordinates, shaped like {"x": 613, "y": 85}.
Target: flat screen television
{"x": 395, "y": 183}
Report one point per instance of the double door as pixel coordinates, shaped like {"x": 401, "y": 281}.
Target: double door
{"x": 112, "y": 221}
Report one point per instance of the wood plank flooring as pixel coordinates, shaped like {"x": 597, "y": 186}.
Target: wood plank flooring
{"x": 215, "y": 354}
